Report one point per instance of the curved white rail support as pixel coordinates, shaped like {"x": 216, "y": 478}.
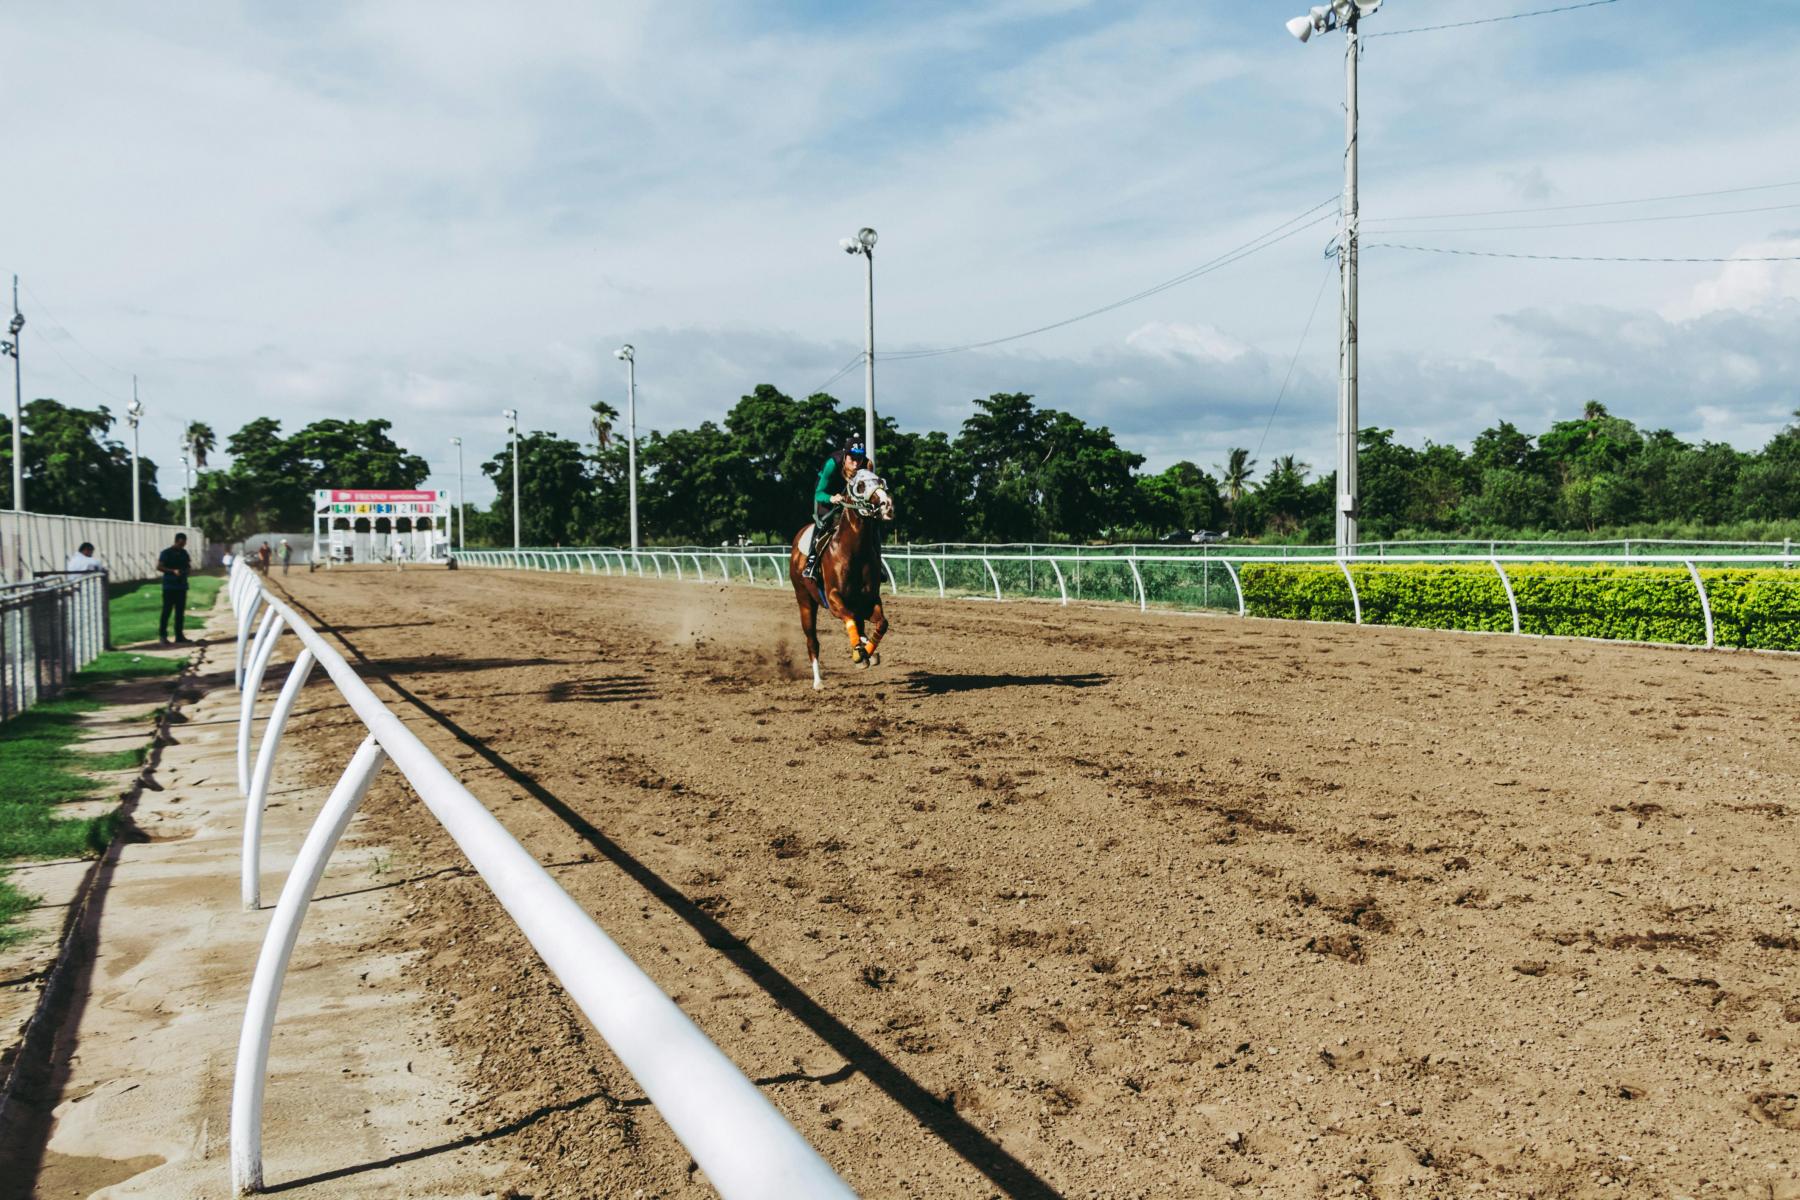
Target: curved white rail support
{"x": 1355, "y": 599}
{"x": 246, "y": 615}
{"x": 676, "y": 563}
{"x": 892, "y": 582}
{"x": 1143, "y": 597}
{"x": 932, "y": 562}
{"x": 1238, "y": 584}
{"x": 699, "y": 571}
{"x": 1060, "y": 585}
{"x": 272, "y": 963}
{"x": 1705, "y": 602}
{"x": 724, "y": 568}
{"x": 748, "y": 573}
{"x": 251, "y": 864}
{"x": 991, "y": 575}
{"x": 266, "y": 634}
{"x": 1512, "y": 601}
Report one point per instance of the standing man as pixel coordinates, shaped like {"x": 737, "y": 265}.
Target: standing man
{"x": 287, "y": 555}
{"x": 262, "y": 558}
{"x": 83, "y": 560}
{"x": 174, "y": 565}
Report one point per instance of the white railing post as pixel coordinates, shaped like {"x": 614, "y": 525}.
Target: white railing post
{"x": 675, "y": 561}
{"x": 699, "y": 571}
{"x": 892, "y": 582}
{"x": 250, "y": 867}
{"x": 272, "y": 962}
{"x": 1060, "y": 586}
{"x": 724, "y": 568}
{"x": 1512, "y": 601}
{"x": 1705, "y": 603}
{"x": 267, "y": 636}
{"x": 247, "y": 615}
{"x": 932, "y": 563}
{"x": 1355, "y": 600}
{"x": 1238, "y": 584}
{"x": 1143, "y": 596}
{"x": 991, "y": 575}
{"x": 657, "y": 563}
{"x": 748, "y": 573}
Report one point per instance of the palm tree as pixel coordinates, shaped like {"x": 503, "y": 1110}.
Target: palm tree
{"x": 200, "y": 441}
{"x": 1285, "y": 465}
{"x": 605, "y": 416}
{"x": 1239, "y": 469}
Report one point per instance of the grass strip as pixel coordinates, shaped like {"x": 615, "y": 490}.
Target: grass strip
{"x": 136, "y": 606}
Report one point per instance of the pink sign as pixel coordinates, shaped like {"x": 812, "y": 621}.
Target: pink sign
{"x": 355, "y": 497}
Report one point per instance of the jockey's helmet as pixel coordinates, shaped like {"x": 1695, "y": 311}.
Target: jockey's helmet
{"x": 854, "y": 448}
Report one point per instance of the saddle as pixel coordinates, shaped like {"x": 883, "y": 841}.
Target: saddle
{"x": 806, "y": 538}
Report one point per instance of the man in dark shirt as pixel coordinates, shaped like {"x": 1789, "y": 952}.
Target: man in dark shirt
{"x": 174, "y": 565}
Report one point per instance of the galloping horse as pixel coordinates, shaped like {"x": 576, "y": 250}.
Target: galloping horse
{"x": 849, "y": 582}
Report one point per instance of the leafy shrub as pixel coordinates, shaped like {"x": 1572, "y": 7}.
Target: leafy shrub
{"x": 1754, "y": 608}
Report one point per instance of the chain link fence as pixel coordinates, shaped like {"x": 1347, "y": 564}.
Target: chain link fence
{"x": 50, "y": 628}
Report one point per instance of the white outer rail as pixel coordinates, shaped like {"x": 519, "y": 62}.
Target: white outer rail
{"x": 1132, "y": 559}
{"x": 737, "y": 1137}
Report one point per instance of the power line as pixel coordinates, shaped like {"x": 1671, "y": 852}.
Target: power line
{"x": 841, "y": 372}
{"x": 1718, "y": 212}
{"x": 1261, "y": 242}
{"x": 1537, "y": 12}
{"x": 1509, "y": 212}
{"x": 1579, "y": 257}
{"x": 1292, "y": 362}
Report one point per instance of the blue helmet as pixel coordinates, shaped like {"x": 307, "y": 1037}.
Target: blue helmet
{"x": 853, "y": 448}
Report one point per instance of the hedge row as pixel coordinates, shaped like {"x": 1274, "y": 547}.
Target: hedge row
{"x": 1753, "y": 608}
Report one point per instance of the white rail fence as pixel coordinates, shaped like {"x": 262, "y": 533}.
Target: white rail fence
{"x": 1180, "y": 580}
{"x": 736, "y": 1136}
{"x": 32, "y": 542}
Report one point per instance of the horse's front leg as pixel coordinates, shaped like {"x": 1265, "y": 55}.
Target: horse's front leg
{"x": 878, "y": 627}
{"x": 852, "y": 626}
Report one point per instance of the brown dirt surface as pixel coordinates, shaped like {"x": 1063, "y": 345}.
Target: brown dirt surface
{"x": 1086, "y": 902}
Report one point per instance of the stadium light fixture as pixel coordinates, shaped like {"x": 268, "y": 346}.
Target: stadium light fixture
{"x": 134, "y": 412}
{"x": 512, "y": 417}
{"x": 864, "y": 244}
{"x": 1346, "y": 15}
{"x": 628, "y": 355}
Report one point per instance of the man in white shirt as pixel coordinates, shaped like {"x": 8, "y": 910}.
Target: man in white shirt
{"x": 83, "y": 560}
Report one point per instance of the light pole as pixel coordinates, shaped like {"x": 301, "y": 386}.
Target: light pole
{"x": 133, "y": 414}
{"x": 864, "y": 244}
{"x": 187, "y": 493}
{"x": 630, "y": 356}
{"x": 461, "y": 520}
{"x": 1347, "y": 15}
{"x": 18, "y": 435}
{"x": 512, "y": 415}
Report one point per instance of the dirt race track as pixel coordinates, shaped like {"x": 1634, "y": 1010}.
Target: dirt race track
{"x": 1065, "y": 902}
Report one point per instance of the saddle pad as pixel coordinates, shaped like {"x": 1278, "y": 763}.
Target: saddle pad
{"x": 806, "y": 537}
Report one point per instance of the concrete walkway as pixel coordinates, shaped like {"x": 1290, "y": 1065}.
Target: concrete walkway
{"x": 135, "y": 1095}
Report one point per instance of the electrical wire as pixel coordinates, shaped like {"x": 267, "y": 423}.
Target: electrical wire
{"x": 1718, "y": 212}
{"x": 1579, "y": 257}
{"x": 1510, "y": 212}
{"x": 1292, "y": 362}
{"x": 1261, "y": 242}
{"x": 1538, "y": 12}
{"x": 841, "y": 372}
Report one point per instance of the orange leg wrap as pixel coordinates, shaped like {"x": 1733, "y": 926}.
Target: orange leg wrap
{"x": 850, "y": 628}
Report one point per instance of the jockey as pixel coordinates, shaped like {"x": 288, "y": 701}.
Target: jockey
{"x": 828, "y": 494}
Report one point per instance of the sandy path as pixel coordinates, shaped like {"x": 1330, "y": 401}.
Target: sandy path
{"x": 1090, "y": 903}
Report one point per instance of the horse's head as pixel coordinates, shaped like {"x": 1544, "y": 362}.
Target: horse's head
{"x": 869, "y": 495}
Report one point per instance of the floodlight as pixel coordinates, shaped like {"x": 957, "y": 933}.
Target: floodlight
{"x": 866, "y": 236}
{"x": 511, "y": 414}
{"x": 18, "y": 323}
{"x": 849, "y": 245}
{"x": 135, "y": 409}
{"x": 624, "y": 352}
{"x": 1300, "y": 27}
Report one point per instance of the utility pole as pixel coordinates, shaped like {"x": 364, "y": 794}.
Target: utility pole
{"x": 18, "y": 421}
{"x": 132, "y": 415}
{"x": 187, "y": 492}
{"x": 461, "y": 520}
{"x": 1347, "y": 15}
{"x": 629, "y": 354}
{"x": 864, "y": 244}
{"x": 512, "y": 414}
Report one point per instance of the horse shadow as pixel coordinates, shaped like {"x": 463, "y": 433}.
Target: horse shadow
{"x": 932, "y": 683}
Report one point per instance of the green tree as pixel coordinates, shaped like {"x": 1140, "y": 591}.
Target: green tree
{"x": 200, "y": 441}
{"x": 556, "y": 492}
{"x": 1235, "y": 477}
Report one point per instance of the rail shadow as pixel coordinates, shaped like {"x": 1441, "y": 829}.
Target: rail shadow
{"x": 604, "y": 689}
{"x": 931, "y": 683}
{"x": 442, "y": 664}
{"x": 937, "y": 1114}
{"x": 461, "y": 1143}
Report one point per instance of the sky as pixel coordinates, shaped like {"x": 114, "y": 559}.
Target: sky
{"x": 430, "y": 212}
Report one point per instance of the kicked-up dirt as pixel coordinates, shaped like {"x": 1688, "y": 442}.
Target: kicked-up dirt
{"x": 1084, "y": 902}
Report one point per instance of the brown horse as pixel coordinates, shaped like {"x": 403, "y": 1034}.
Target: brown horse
{"x": 849, "y": 582}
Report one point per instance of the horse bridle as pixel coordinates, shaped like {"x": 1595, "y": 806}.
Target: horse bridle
{"x": 865, "y": 504}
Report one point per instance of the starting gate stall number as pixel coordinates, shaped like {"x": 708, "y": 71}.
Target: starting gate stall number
{"x": 357, "y": 525}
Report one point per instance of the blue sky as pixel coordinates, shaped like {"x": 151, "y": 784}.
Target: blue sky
{"x": 434, "y": 211}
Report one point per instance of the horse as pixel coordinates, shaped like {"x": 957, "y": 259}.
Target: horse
{"x": 849, "y": 582}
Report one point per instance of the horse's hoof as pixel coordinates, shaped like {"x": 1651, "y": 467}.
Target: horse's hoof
{"x": 858, "y": 655}
{"x": 874, "y": 659}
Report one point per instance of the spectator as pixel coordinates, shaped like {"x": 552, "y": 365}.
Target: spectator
{"x": 83, "y": 560}
{"x": 262, "y": 558}
{"x": 287, "y": 555}
{"x": 228, "y": 559}
{"x": 174, "y": 564}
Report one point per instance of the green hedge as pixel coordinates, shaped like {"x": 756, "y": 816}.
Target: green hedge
{"x": 1754, "y": 608}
